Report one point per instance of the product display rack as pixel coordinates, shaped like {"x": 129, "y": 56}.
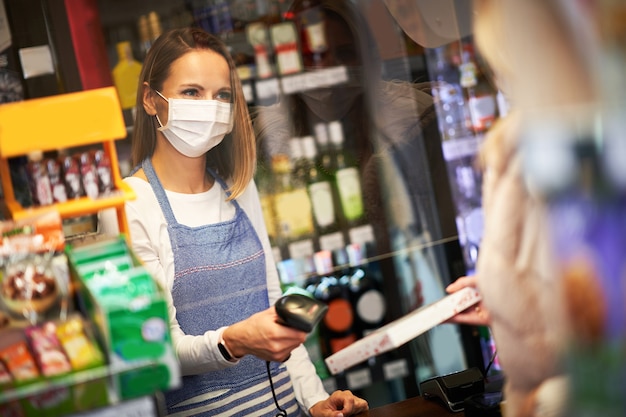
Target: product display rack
{"x": 59, "y": 122}
{"x": 85, "y": 118}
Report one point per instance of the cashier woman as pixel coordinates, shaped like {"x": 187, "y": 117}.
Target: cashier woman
{"x": 198, "y": 227}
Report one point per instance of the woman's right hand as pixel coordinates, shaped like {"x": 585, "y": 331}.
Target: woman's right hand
{"x": 262, "y": 336}
{"x": 476, "y": 315}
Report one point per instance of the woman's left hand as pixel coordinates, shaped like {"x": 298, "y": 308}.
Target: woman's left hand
{"x": 339, "y": 404}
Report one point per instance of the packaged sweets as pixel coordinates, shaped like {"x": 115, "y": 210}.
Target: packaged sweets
{"x": 103, "y": 169}
{"x": 38, "y": 182}
{"x": 32, "y": 285}
{"x": 47, "y": 350}
{"x": 81, "y": 350}
{"x": 57, "y": 184}
{"x": 89, "y": 175}
{"x": 71, "y": 176}
{"x": 19, "y": 362}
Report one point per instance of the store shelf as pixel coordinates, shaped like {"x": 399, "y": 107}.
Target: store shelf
{"x": 61, "y": 122}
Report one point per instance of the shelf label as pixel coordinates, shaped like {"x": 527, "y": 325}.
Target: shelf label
{"x": 362, "y": 234}
{"x": 459, "y": 148}
{"x": 359, "y": 379}
{"x": 247, "y": 92}
{"x": 267, "y": 88}
{"x": 332, "y": 241}
{"x": 396, "y": 369}
{"x": 301, "y": 249}
{"x": 292, "y": 84}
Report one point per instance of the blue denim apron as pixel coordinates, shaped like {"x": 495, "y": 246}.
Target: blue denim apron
{"x": 220, "y": 279}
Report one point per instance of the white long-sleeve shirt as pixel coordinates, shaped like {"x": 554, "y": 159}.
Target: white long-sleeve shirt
{"x": 151, "y": 243}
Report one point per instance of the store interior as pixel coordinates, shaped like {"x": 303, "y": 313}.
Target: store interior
{"x": 383, "y": 105}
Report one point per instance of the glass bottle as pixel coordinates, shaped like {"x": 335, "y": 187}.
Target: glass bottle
{"x": 347, "y": 178}
{"x": 126, "y": 75}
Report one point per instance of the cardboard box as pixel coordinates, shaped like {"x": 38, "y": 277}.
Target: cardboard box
{"x": 129, "y": 311}
{"x": 402, "y": 330}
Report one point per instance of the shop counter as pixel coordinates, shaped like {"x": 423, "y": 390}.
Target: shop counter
{"x": 413, "y": 407}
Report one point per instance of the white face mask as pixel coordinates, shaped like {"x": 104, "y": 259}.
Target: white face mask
{"x": 196, "y": 126}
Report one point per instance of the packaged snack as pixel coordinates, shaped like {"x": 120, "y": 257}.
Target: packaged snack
{"x": 71, "y": 176}
{"x": 47, "y": 349}
{"x": 38, "y": 181}
{"x": 28, "y": 285}
{"x": 89, "y": 175}
{"x": 103, "y": 169}
{"x": 5, "y": 376}
{"x": 19, "y": 362}
{"x": 81, "y": 350}
{"x": 59, "y": 193}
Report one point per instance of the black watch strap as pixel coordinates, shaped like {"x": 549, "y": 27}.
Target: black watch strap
{"x": 225, "y": 353}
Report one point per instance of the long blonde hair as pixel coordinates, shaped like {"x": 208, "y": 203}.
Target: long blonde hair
{"x": 235, "y": 157}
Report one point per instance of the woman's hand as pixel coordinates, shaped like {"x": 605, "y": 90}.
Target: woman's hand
{"x": 262, "y": 336}
{"x": 339, "y": 404}
{"x": 477, "y": 315}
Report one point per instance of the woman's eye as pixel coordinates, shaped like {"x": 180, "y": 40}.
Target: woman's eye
{"x": 191, "y": 92}
{"x": 224, "y": 96}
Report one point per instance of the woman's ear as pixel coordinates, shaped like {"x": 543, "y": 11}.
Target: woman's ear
{"x": 148, "y": 100}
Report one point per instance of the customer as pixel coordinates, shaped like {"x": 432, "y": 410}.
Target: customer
{"x": 516, "y": 271}
{"x": 197, "y": 226}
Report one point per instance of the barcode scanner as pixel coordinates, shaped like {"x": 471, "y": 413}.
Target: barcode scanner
{"x": 299, "y": 312}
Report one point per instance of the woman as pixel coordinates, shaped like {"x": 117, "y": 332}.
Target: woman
{"x": 524, "y": 301}
{"x": 198, "y": 227}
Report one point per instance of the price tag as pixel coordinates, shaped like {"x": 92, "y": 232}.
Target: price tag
{"x": 139, "y": 407}
{"x": 247, "y": 92}
{"x": 459, "y": 148}
{"x": 301, "y": 249}
{"x": 292, "y": 83}
{"x": 396, "y": 369}
{"x": 332, "y": 241}
{"x": 361, "y": 234}
{"x": 267, "y": 88}
{"x": 359, "y": 379}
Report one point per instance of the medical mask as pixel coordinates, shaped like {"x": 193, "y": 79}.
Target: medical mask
{"x": 196, "y": 126}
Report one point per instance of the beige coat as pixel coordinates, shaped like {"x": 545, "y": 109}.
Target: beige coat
{"x": 518, "y": 279}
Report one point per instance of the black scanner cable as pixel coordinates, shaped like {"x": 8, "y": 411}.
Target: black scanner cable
{"x": 281, "y": 411}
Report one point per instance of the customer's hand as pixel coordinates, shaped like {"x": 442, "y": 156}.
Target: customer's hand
{"x": 476, "y": 315}
{"x": 339, "y": 404}
{"x": 262, "y": 336}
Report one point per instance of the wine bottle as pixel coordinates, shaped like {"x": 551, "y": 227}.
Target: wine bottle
{"x": 347, "y": 178}
{"x": 291, "y": 202}
{"x": 337, "y": 326}
{"x": 367, "y": 298}
{"x": 322, "y": 199}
